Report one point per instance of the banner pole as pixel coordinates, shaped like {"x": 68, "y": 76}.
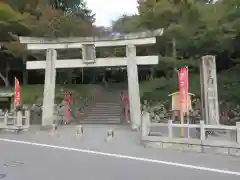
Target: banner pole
{"x": 182, "y": 121}
{"x": 14, "y": 101}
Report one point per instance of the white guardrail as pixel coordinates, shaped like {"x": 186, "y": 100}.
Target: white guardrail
{"x": 15, "y": 121}
{"x": 147, "y": 125}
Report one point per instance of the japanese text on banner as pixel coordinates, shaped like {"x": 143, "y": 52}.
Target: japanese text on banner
{"x": 183, "y": 88}
{"x": 17, "y": 97}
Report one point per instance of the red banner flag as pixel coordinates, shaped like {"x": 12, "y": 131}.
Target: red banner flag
{"x": 68, "y": 99}
{"x": 126, "y": 100}
{"x": 17, "y": 97}
{"x": 183, "y": 87}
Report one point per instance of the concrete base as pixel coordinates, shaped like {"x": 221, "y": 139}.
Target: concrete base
{"x": 230, "y": 151}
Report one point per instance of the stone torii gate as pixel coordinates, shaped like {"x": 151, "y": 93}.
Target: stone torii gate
{"x": 88, "y": 44}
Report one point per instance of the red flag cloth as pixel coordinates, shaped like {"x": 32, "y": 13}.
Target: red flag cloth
{"x": 183, "y": 87}
{"x": 126, "y": 100}
{"x": 17, "y": 97}
{"x": 67, "y": 99}
{"x": 186, "y": 87}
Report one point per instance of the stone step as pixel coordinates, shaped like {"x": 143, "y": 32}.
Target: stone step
{"x": 116, "y": 119}
{"x": 92, "y": 114}
{"x": 102, "y": 117}
{"x": 106, "y": 107}
{"x": 106, "y": 110}
{"x": 107, "y": 103}
{"x": 100, "y": 122}
{"x": 108, "y": 100}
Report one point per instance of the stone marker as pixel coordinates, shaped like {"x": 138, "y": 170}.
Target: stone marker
{"x": 110, "y": 134}
{"x": 79, "y": 131}
{"x": 54, "y": 130}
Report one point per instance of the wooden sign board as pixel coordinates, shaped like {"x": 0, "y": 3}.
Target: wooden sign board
{"x": 176, "y": 104}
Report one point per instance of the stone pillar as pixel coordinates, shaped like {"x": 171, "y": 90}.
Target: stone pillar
{"x": 6, "y": 119}
{"x": 133, "y": 87}
{"x": 19, "y": 118}
{"x": 202, "y": 131}
{"x": 27, "y": 118}
{"x": 145, "y": 124}
{"x": 170, "y": 129}
{"x": 238, "y": 132}
{"x": 210, "y": 90}
{"x": 49, "y": 88}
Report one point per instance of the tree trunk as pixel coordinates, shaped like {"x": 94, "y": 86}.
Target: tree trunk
{"x": 5, "y": 80}
{"x": 6, "y": 71}
{"x": 25, "y": 72}
{"x": 174, "y": 48}
{"x": 152, "y": 73}
{"x": 25, "y": 77}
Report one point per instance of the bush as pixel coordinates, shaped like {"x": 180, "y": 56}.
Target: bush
{"x": 158, "y": 89}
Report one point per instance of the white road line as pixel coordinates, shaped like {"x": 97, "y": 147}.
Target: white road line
{"x": 125, "y": 157}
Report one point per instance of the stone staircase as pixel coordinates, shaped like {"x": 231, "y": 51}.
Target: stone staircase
{"x": 106, "y": 108}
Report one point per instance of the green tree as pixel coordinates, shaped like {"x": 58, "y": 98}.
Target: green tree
{"x": 19, "y": 21}
{"x": 76, "y": 7}
{"x": 127, "y": 24}
{"x": 11, "y": 24}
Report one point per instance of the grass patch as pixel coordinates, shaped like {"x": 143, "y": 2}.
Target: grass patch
{"x": 30, "y": 92}
{"x": 158, "y": 89}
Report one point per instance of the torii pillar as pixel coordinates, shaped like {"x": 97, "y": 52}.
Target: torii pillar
{"x": 133, "y": 87}
{"x": 49, "y": 88}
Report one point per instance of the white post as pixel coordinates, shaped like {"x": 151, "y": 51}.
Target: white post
{"x": 133, "y": 87}
{"x": 19, "y": 118}
{"x": 170, "y": 131}
{"x": 27, "y": 118}
{"x": 202, "y": 130}
{"x": 238, "y": 132}
{"x": 6, "y": 119}
{"x": 49, "y": 88}
{"x": 145, "y": 124}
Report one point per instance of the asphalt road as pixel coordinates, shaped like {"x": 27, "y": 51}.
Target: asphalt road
{"x": 90, "y": 158}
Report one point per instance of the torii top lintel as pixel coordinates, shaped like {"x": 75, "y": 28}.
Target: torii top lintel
{"x": 147, "y": 37}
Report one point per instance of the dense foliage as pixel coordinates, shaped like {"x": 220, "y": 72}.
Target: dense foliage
{"x": 192, "y": 28}
{"x": 42, "y": 18}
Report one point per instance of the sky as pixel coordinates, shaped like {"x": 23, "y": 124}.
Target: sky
{"x": 110, "y": 10}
